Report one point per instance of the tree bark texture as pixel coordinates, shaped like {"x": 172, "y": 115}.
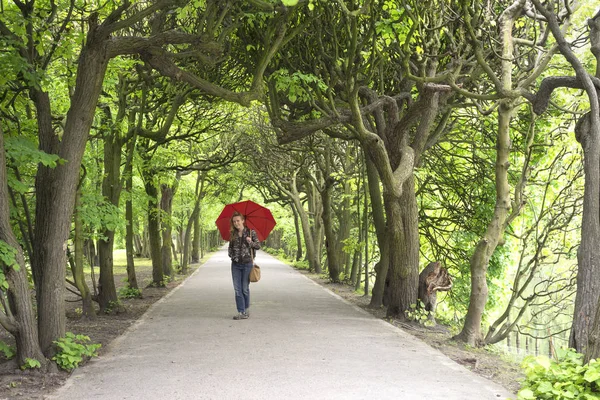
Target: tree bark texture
{"x": 56, "y": 187}
{"x": 166, "y": 206}
{"x": 333, "y": 261}
{"x": 18, "y": 316}
{"x": 111, "y": 191}
{"x": 196, "y": 240}
{"x": 377, "y": 207}
{"x": 129, "y": 232}
{"x": 298, "y": 234}
{"x": 471, "y": 332}
{"x": 588, "y": 254}
{"x": 585, "y": 331}
{"x": 154, "y": 236}
{"x": 403, "y": 228}
{"x": 87, "y": 305}
{"x": 193, "y": 220}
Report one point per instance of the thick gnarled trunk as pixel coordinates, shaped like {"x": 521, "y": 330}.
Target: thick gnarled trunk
{"x": 56, "y": 187}
{"x": 403, "y": 228}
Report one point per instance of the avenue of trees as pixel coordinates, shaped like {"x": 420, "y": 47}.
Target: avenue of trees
{"x": 385, "y": 135}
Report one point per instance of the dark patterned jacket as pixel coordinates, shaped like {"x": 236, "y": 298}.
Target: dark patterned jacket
{"x": 239, "y": 248}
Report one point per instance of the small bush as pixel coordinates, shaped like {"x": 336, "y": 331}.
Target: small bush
{"x": 130, "y": 293}
{"x": 31, "y": 363}
{"x": 9, "y": 351}
{"x": 567, "y": 378}
{"x": 301, "y": 265}
{"x": 111, "y": 306}
{"x": 72, "y": 349}
{"x": 419, "y": 314}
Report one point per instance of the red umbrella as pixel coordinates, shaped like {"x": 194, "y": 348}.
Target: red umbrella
{"x": 258, "y": 218}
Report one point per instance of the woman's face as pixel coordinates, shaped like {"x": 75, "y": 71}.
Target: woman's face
{"x": 238, "y": 222}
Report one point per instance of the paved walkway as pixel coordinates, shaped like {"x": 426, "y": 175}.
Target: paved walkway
{"x": 301, "y": 342}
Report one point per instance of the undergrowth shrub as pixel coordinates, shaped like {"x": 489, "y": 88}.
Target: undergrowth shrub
{"x": 565, "y": 378}
{"x": 9, "y": 351}
{"x": 72, "y": 349}
{"x": 127, "y": 292}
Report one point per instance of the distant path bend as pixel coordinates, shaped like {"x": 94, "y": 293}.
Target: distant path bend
{"x": 301, "y": 342}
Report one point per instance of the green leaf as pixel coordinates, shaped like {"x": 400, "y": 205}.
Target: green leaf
{"x": 289, "y": 3}
{"x": 591, "y": 375}
{"x": 544, "y": 387}
{"x": 526, "y": 394}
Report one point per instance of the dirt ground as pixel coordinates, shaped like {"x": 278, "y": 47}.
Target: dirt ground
{"x": 32, "y": 384}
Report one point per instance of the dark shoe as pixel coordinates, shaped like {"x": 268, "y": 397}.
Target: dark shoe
{"x": 247, "y": 314}
{"x": 240, "y": 316}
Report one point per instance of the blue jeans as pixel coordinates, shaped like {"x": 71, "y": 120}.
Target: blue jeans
{"x": 240, "y": 274}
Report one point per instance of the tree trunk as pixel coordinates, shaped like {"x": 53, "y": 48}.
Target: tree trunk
{"x": 298, "y": 234}
{"x": 345, "y": 226}
{"x": 354, "y": 271}
{"x": 315, "y": 209}
{"x": 18, "y": 316}
{"x": 166, "y": 206}
{"x": 154, "y": 238}
{"x": 333, "y": 262}
{"x": 111, "y": 191}
{"x": 471, "y": 332}
{"x": 382, "y": 267}
{"x": 192, "y": 222}
{"x": 313, "y": 257}
{"x": 129, "y": 235}
{"x": 56, "y": 187}
{"x": 585, "y": 332}
{"x": 196, "y": 240}
{"x": 87, "y": 306}
{"x": 403, "y": 226}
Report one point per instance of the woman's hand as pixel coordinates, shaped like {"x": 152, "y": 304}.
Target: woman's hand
{"x": 248, "y": 239}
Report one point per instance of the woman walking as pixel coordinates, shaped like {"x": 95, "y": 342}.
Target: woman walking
{"x": 241, "y": 241}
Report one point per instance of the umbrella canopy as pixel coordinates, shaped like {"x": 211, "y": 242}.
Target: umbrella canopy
{"x": 258, "y": 218}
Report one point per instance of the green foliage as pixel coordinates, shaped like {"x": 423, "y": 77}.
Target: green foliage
{"x": 72, "y": 349}
{"x": 296, "y": 84}
{"x": 24, "y": 152}
{"x": 130, "y": 293}
{"x": 9, "y": 351}
{"x": 111, "y": 306}
{"x": 419, "y": 314}
{"x": 98, "y": 213}
{"x": 8, "y": 257}
{"x": 30, "y": 363}
{"x": 303, "y": 264}
{"x": 566, "y": 378}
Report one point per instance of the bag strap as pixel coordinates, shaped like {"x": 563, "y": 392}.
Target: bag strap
{"x": 251, "y": 248}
